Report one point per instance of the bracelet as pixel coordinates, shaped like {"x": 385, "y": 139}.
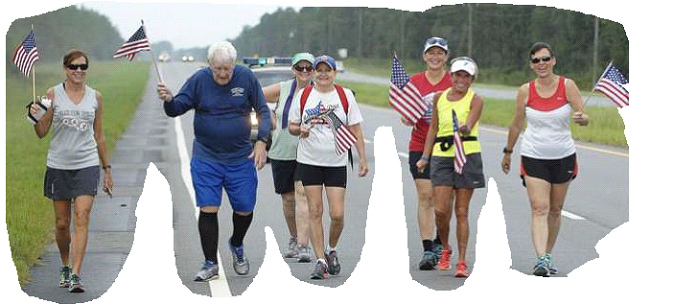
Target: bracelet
{"x": 507, "y": 151}
{"x": 424, "y": 158}
{"x": 106, "y": 166}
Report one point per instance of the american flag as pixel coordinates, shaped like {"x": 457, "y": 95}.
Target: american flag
{"x": 459, "y": 153}
{"x": 26, "y": 55}
{"x": 611, "y": 85}
{"x": 138, "y": 42}
{"x": 344, "y": 139}
{"x": 403, "y": 96}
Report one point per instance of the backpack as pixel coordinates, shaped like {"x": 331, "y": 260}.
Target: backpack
{"x": 340, "y": 92}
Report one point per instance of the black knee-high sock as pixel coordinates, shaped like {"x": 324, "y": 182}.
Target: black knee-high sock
{"x": 241, "y": 225}
{"x": 208, "y": 231}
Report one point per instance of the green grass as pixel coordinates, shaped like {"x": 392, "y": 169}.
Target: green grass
{"x": 606, "y": 125}
{"x": 29, "y": 214}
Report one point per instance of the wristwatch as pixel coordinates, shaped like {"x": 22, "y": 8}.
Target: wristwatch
{"x": 106, "y": 167}
{"x": 507, "y": 151}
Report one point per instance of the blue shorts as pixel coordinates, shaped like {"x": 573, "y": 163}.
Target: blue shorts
{"x": 238, "y": 179}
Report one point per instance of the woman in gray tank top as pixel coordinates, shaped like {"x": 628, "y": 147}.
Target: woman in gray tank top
{"x": 76, "y": 146}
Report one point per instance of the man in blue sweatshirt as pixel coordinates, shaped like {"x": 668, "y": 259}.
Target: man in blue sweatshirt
{"x": 222, "y": 96}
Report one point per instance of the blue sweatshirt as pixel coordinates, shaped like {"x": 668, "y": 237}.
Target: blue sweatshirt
{"x": 222, "y": 113}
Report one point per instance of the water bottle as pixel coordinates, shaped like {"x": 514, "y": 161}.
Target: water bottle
{"x": 44, "y": 103}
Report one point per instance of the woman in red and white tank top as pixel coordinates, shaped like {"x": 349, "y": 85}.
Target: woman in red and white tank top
{"x": 548, "y": 151}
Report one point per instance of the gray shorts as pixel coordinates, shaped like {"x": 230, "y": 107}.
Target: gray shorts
{"x": 442, "y": 172}
{"x": 60, "y": 184}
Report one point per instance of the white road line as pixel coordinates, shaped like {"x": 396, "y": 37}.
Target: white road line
{"x": 219, "y": 287}
{"x": 564, "y": 213}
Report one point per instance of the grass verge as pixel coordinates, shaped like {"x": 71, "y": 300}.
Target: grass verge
{"x": 606, "y": 125}
{"x": 29, "y": 215}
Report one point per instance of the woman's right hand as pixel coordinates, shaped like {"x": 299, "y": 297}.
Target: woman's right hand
{"x": 304, "y": 130}
{"x": 505, "y": 164}
{"x": 164, "y": 93}
{"x": 421, "y": 165}
{"x": 406, "y": 122}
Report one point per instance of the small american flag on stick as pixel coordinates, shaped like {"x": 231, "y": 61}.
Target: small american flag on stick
{"x": 26, "y": 55}
{"x": 611, "y": 84}
{"x": 404, "y": 97}
{"x": 137, "y": 43}
{"x": 344, "y": 138}
{"x": 459, "y": 153}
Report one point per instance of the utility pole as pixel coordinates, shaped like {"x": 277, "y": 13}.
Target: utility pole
{"x": 470, "y": 30}
{"x": 596, "y": 47}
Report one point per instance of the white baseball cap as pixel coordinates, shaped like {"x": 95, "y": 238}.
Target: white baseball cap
{"x": 464, "y": 64}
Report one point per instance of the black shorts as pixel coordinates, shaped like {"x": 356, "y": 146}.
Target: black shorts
{"x": 60, "y": 184}
{"x": 285, "y": 174}
{"x": 322, "y": 175}
{"x": 414, "y": 157}
{"x": 556, "y": 171}
{"x": 443, "y": 173}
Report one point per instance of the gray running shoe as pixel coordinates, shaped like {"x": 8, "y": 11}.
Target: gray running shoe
{"x": 208, "y": 272}
{"x": 75, "y": 283}
{"x": 320, "y": 271}
{"x": 304, "y": 254}
{"x": 333, "y": 263}
{"x": 542, "y": 267}
{"x": 239, "y": 261}
{"x": 292, "y": 248}
{"x": 428, "y": 261}
{"x": 64, "y": 278}
{"x": 551, "y": 265}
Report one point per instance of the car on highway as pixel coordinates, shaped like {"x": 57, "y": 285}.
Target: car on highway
{"x": 268, "y": 72}
{"x": 164, "y": 57}
{"x": 188, "y": 58}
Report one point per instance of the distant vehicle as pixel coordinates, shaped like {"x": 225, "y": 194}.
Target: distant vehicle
{"x": 268, "y": 71}
{"x": 188, "y": 58}
{"x": 164, "y": 57}
{"x": 340, "y": 66}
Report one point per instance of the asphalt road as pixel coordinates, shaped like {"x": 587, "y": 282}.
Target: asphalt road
{"x": 597, "y": 203}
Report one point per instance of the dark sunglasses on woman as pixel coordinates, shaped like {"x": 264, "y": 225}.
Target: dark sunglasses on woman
{"x": 82, "y": 67}
{"x": 536, "y": 60}
{"x": 303, "y": 68}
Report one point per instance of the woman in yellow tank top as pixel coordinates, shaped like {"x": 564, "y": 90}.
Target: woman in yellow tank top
{"x": 461, "y": 100}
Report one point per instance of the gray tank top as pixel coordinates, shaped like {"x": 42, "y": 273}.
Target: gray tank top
{"x": 72, "y": 144}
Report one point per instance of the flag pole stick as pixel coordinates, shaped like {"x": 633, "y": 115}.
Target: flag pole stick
{"x": 156, "y": 67}
{"x": 597, "y": 82}
{"x": 33, "y": 71}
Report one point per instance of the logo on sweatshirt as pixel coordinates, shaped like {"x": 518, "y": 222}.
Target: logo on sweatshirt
{"x": 238, "y": 91}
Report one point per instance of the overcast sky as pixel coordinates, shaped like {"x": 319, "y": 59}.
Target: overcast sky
{"x": 184, "y": 25}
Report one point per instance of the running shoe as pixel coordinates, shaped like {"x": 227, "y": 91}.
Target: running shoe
{"x": 333, "y": 263}
{"x": 428, "y": 261}
{"x": 437, "y": 249}
{"x": 445, "y": 262}
{"x": 239, "y": 261}
{"x": 551, "y": 265}
{"x": 461, "y": 269}
{"x": 542, "y": 267}
{"x": 292, "y": 248}
{"x": 64, "y": 278}
{"x": 75, "y": 284}
{"x": 320, "y": 271}
{"x": 208, "y": 272}
{"x": 304, "y": 254}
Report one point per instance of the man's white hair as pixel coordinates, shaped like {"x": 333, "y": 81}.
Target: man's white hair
{"x": 224, "y": 49}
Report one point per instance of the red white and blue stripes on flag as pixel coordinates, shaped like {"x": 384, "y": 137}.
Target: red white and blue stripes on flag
{"x": 611, "y": 84}
{"x": 344, "y": 138}
{"x": 26, "y": 55}
{"x": 459, "y": 153}
{"x": 404, "y": 97}
{"x": 137, "y": 43}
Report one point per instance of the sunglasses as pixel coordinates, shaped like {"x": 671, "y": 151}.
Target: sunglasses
{"x": 82, "y": 67}
{"x": 436, "y": 40}
{"x": 536, "y": 60}
{"x": 303, "y": 68}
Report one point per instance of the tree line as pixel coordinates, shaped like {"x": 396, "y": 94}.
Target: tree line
{"x": 497, "y": 36}
{"x": 61, "y": 30}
